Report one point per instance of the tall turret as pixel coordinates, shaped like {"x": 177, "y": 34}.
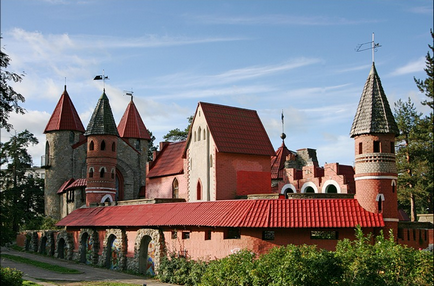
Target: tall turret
{"x": 374, "y": 130}
{"x": 63, "y": 130}
{"x": 102, "y": 136}
{"x": 132, "y": 129}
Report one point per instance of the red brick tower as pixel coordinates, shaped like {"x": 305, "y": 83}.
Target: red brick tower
{"x": 374, "y": 130}
{"x": 102, "y": 138}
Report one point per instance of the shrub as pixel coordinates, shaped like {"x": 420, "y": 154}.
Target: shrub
{"x": 298, "y": 265}
{"x": 235, "y": 269}
{"x": 181, "y": 270}
{"x": 11, "y": 277}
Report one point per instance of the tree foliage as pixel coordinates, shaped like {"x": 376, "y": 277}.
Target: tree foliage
{"x": 9, "y": 99}
{"x": 151, "y": 147}
{"x": 177, "y": 135}
{"x": 22, "y": 194}
{"x": 426, "y": 86}
{"x": 413, "y": 159}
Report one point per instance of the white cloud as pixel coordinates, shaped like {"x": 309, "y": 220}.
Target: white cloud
{"x": 410, "y": 68}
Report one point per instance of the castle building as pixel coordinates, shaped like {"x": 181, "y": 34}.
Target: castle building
{"x": 221, "y": 190}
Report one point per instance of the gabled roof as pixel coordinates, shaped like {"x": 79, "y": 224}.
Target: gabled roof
{"x": 291, "y": 213}
{"x": 65, "y": 185}
{"x": 169, "y": 160}
{"x": 278, "y": 162}
{"x": 64, "y": 116}
{"x": 131, "y": 124}
{"x": 77, "y": 184}
{"x": 373, "y": 113}
{"x": 102, "y": 121}
{"x": 236, "y": 130}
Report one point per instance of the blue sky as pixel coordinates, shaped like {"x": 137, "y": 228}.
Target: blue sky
{"x": 298, "y": 57}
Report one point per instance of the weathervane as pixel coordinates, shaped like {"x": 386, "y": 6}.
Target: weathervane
{"x": 283, "y": 135}
{"x": 129, "y": 93}
{"x": 373, "y": 47}
{"x": 102, "y": 77}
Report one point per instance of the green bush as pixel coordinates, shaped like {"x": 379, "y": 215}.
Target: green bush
{"x": 235, "y": 269}
{"x": 11, "y": 277}
{"x": 384, "y": 262}
{"x": 181, "y": 270}
{"x": 298, "y": 265}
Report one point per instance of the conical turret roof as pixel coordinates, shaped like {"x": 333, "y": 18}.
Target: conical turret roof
{"x": 131, "y": 124}
{"x": 373, "y": 113}
{"x": 64, "y": 116}
{"x": 102, "y": 121}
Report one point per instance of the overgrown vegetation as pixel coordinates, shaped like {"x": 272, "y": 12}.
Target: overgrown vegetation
{"x": 358, "y": 262}
{"x": 47, "y": 266}
{"x": 11, "y": 276}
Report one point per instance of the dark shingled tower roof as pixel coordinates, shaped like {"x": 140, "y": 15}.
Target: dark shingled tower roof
{"x": 102, "y": 121}
{"x": 373, "y": 113}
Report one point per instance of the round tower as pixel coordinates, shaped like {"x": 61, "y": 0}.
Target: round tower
{"x": 62, "y": 132}
{"x": 374, "y": 130}
{"x": 102, "y": 136}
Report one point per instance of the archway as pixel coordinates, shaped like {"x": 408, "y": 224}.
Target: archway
{"x": 113, "y": 253}
{"x": 309, "y": 187}
{"x": 61, "y": 249}
{"x": 146, "y": 263}
{"x": 86, "y": 249}
{"x": 43, "y": 247}
{"x": 287, "y": 189}
{"x": 331, "y": 189}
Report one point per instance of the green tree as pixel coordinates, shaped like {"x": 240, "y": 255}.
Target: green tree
{"x": 426, "y": 86}
{"x": 9, "y": 98}
{"x": 151, "y": 147}
{"x": 176, "y": 135}
{"x": 412, "y": 158}
{"x": 22, "y": 195}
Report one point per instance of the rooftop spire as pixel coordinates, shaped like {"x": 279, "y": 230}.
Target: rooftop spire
{"x": 131, "y": 124}
{"x": 64, "y": 116}
{"x": 373, "y": 113}
{"x": 102, "y": 120}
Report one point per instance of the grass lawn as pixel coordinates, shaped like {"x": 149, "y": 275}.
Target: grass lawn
{"x": 47, "y": 266}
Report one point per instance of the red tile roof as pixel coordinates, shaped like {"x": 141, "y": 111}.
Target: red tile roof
{"x": 65, "y": 185}
{"x": 131, "y": 124}
{"x": 77, "y": 184}
{"x": 278, "y": 162}
{"x": 64, "y": 116}
{"x": 236, "y": 130}
{"x": 169, "y": 160}
{"x": 291, "y": 213}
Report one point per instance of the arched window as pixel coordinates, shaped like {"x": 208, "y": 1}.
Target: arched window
{"x": 194, "y": 136}
{"x": 102, "y": 172}
{"x": 204, "y": 134}
{"x": 102, "y": 145}
{"x": 175, "y": 189}
{"x": 113, "y": 146}
{"x": 360, "y": 148}
{"x": 199, "y": 191}
{"x": 331, "y": 189}
{"x": 199, "y": 131}
{"x": 47, "y": 154}
{"x": 309, "y": 190}
{"x": 91, "y": 146}
{"x": 90, "y": 172}
{"x": 113, "y": 173}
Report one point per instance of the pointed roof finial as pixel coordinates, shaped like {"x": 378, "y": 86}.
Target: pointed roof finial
{"x": 283, "y": 135}
{"x": 102, "y": 77}
{"x": 373, "y": 47}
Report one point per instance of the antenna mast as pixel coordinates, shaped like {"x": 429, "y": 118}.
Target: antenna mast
{"x": 373, "y": 47}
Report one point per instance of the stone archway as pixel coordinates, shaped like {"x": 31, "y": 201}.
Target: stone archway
{"x": 46, "y": 245}
{"x": 64, "y": 245}
{"x": 114, "y": 249}
{"x": 89, "y": 245}
{"x": 147, "y": 251}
